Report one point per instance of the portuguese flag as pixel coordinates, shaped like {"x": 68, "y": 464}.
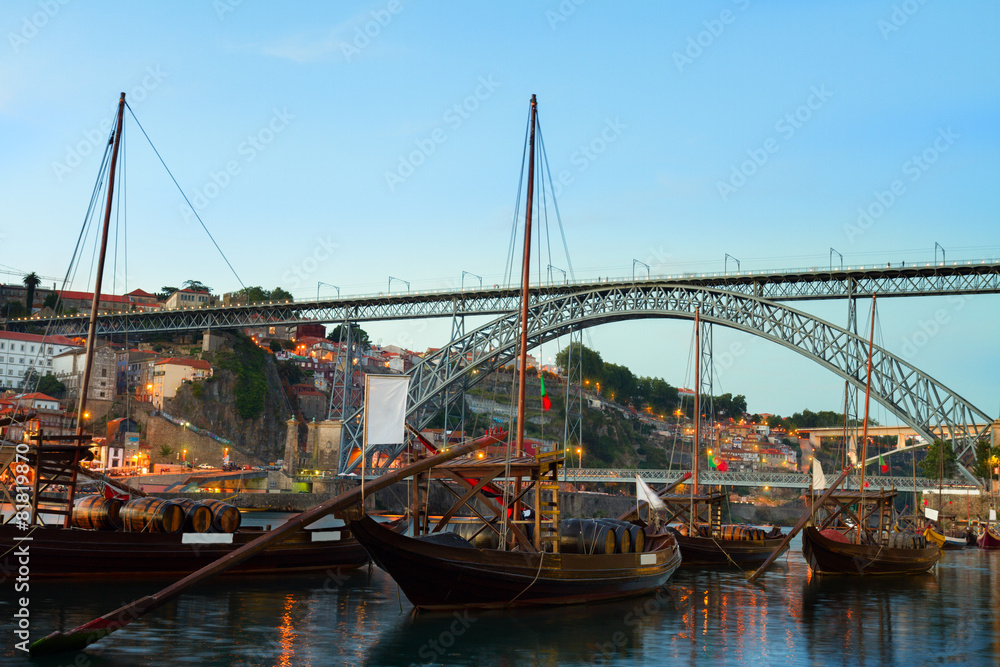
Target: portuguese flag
{"x": 882, "y": 466}
{"x": 546, "y": 403}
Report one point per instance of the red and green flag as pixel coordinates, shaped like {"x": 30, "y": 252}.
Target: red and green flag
{"x": 546, "y": 403}
{"x": 882, "y": 466}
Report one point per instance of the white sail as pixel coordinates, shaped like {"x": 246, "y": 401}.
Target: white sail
{"x": 819, "y": 479}
{"x": 931, "y": 514}
{"x": 385, "y": 408}
{"x": 643, "y": 492}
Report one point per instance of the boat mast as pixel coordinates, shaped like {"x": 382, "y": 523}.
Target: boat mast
{"x": 697, "y": 395}
{"x": 522, "y": 359}
{"x": 95, "y": 304}
{"x": 868, "y": 388}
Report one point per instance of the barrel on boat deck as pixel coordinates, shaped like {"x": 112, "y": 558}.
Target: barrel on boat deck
{"x": 638, "y": 538}
{"x": 97, "y": 513}
{"x": 225, "y": 517}
{"x": 481, "y": 537}
{"x": 623, "y": 537}
{"x": 197, "y": 517}
{"x": 585, "y": 536}
{"x": 152, "y": 515}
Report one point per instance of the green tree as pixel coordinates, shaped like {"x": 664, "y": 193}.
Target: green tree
{"x": 50, "y": 385}
{"x": 165, "y": 451}
{"x": 165, "y": 292}
{"x": 592, "y": 364}
{"x": 196, "y": 286}
{"x": 986, "y": 460}
{"x": 53, "y": 302}
{"x": 278, "y": 294}
{"x": 940, "y": 461}
{"x": 13, "y": 309}
{"x": 358, "y": 335}
{"x": 31, "y": 281}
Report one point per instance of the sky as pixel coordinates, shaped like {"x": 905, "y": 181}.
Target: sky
{"x": 341, "y": 144}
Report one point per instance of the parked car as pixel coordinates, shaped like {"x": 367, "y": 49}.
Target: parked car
{"x": 206, "y": 466}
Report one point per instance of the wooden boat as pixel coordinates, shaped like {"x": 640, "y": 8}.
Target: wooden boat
{"x": 703, "y": 540}
{"x": 988, "y": 539}
{"x": 946, "y": 542}
{"x": 529, "y": 565}
{"x": 58, "y": 552}
{"x": 854, "y": 531}
{"x": 828, "y": 554}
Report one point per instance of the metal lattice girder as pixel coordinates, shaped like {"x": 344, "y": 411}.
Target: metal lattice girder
{"x": 783, "y": 480}
{"x": 915, "y": 398}
{"x": 957, "y": 278}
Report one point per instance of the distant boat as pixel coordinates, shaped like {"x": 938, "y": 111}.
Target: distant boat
{"x": 943, "y": 541}
{"x": 442, "y": 570}
{"x": 988, "y": 539}
{"x": 846, "y": 542}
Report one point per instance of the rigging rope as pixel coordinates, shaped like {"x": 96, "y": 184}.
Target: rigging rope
{"x": 179, "y": 189}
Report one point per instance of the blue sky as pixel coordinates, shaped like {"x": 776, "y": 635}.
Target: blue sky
{"x": 348, "y": 142}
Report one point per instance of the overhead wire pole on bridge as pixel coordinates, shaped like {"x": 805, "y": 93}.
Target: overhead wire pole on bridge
{"x": 725, "y": 263}
{"x": 936, "y": 246}
{"x": 328, "y": 285}
{"x": 634, "y": 262}
{"x": 832, "y": 251}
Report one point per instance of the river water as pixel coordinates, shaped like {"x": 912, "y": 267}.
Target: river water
{"x": 950, "y": 615}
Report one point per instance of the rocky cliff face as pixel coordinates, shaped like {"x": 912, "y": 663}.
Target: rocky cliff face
{"x": 211, "y": 405}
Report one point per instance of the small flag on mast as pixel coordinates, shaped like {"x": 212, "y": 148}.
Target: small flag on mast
{"x": 882, "y": 466}
{"x": 546, "y": 403}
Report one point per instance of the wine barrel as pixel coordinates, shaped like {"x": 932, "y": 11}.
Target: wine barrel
{"x": 585, "y": 536}
{"x": 623, "y": 537}
{"x": 225, "y": 517}
{"x": 97, "y": 513}
{"x": 485, "y": 539}
{"x": 638, "y": 538}
{"x": 197, "y": 517}
{"x": 152, "y": 515}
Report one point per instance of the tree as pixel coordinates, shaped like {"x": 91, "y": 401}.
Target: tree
{"x": 51, "y": 386}
{"x": 987, "y": 458}
{"x": 932, "y": 466}
{"x": 358, "y": 335}
{"x": 278, "y": 294}
{"x": 165, "y": 292}
{"x": 53, "y": 302}
{"x": 13, "y": 309}
{"x": 196, "y": 286}
{"x": 31, "y": 281}
{"x": 592, "y": 364}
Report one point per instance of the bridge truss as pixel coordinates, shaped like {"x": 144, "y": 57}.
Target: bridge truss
{"x": 915, "y": 398}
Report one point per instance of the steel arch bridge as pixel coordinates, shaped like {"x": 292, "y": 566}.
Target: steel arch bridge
{"x": 914, "y": 397}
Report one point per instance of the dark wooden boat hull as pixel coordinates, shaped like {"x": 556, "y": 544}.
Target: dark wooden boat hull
{"x": 826, "y": 556}
{"x": 988, "y": 540}
{"x": 438, "y": 577}
{"x": 711, "y": 552}
{"x": 59, "y": 552}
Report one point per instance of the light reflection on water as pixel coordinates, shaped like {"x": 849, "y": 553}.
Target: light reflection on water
{"x": 700, "y": 617}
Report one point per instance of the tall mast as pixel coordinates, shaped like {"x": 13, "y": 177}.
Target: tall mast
{"x": 868, "y": 388}
{"x": 95, "y": 304}
{"x": 697, "y": 394}
{"x": 522, "y": 360}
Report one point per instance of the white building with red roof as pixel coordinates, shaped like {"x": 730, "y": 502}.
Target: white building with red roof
{"x": 20, "y": 352}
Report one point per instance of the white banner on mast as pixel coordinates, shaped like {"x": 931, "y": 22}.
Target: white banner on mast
{"x": 385, "y": 409}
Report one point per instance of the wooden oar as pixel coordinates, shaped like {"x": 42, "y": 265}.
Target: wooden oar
{"x": 88, "y": 633}
{"x": 799, "y": 525}
{"x": 670, "y": 487}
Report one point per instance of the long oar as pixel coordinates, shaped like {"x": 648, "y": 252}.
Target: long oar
{"x": 88, "y": 633}
{"x": 799, "y": 525}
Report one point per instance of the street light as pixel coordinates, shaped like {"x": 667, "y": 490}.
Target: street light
{"x": 328, "y": 285}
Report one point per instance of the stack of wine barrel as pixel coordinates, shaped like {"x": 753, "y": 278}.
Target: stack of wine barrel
{"x": 600, "y": 536}
{"x": 154, "y": 515}
{"x": 726, "y": 532}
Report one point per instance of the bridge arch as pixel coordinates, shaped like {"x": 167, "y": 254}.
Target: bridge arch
{"x": 914, "y": 397}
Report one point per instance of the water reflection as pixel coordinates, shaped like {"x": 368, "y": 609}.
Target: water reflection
{"x": 699, "y": 617}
